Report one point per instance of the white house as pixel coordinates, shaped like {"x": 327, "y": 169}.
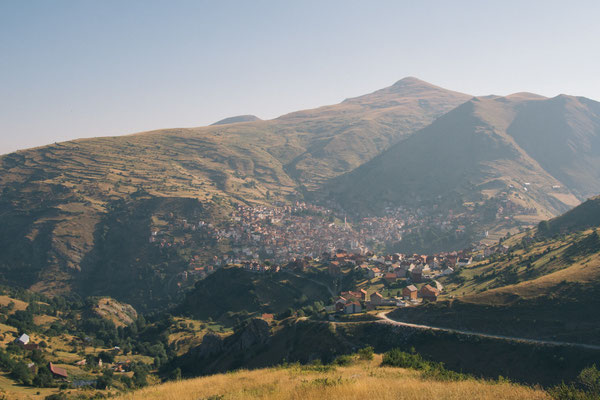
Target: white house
{"x": 23, "y": 339}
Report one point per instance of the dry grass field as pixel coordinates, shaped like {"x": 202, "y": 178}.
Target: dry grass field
{"x": 365, "y": 379}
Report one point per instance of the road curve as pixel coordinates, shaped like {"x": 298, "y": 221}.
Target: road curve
{"x": 384, "y": 319}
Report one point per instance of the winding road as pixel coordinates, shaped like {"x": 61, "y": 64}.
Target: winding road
{"x": 384, "y": 319}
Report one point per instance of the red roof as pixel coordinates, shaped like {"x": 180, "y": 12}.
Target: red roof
{"x": 58, "y": 371}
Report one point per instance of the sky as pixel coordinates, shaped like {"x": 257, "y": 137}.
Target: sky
{"x": 81, "y": 68}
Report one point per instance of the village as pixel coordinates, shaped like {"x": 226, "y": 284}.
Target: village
{"x": 265, "y": 238}
{"x": 280, "y": 234}
{"x": 396, "y": 280}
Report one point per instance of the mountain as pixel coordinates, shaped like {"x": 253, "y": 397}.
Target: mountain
{"x": 540, "y": 154}
{"x": 77, "y": 215}
{"x": 236, "y": 119}
{"x": 345, "y": 135}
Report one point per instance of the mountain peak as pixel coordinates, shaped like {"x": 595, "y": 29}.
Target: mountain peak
{"x": 237, "y": 118}
{"x": 409, "y": 87}
{"x": 410, "y": 81}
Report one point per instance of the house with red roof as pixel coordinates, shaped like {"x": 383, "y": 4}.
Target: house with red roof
{"x": 58, "y": 372}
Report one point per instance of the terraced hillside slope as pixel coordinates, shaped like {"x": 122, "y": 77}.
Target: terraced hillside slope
{"x": 547, "y": 285}
{"x": 77, "y": 215}
{"x": 542, "y": 155}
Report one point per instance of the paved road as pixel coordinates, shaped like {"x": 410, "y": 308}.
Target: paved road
{"x": 384, "y": 319}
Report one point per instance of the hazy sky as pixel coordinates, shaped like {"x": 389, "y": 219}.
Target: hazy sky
{"x": 81, "y": 68}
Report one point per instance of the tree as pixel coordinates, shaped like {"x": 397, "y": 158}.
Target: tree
{"x": 140, "y": 377}
{"x": 43, "y": 378}
{"x": 175, "y": 375}
{"x": 105, "y": 380}
{"x": 21, "y": 373}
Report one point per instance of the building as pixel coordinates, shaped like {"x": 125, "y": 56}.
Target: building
{"x": 462, "y": 262}
{"x": 352, "y": 308}
{"x": 390, "y": 277}
{"x": 429, "y": 293}
{"x": 410, "y": 292}
{"x": 376, "y": 299}
{"x": 23, "y": 339}
{"x": 58, "y": 372}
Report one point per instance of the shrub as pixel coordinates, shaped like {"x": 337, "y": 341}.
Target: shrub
{"x": 589, "y": 379}
{"x": 366, "y": 353}
{"x": 431, "y": 370}
{"x": 399, "y": 358}
{"x": 343, "y": 360}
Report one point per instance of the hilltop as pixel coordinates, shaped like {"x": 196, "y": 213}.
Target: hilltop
{"x": 237, "y": 119}
{"x": 361, "y": 379}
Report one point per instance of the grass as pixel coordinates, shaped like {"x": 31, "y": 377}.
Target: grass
{"x": 18, "y": 304}
{"x": 360, "y": 380}
{"x": 120, "y": 314}
{"x": 547, "y": 289}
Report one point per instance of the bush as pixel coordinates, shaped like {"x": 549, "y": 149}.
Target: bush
{"x": 399, "y": 358}
{"x": 366, "y": 353}
{"x": 568, "y": 392}
{"x": 56, "y": 396}
{"x": 431, "y": 370}
{"x": 589, "y": 379}
{"x": 343, "y": 360}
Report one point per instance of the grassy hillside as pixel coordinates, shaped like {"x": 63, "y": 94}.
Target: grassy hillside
{"x": 232, "y": 294}
{"x": 544, "y": 287}
{"x": 539, "y": 154}
{"x": 362, "y": 379}
{"x": 582, "y": 217}
{"x": 74, "y": 215}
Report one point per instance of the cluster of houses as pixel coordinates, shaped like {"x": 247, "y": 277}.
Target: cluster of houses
{"x": 353, "y": 302}
{"x": 496, "y": 249}
{"x": 416, "y": 267}
{"x": 279, "y": 234}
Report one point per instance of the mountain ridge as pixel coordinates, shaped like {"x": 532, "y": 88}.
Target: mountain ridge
{"x": 58, "y": 201}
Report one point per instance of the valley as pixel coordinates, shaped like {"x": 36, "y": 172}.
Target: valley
{"x": 456, "y": 235}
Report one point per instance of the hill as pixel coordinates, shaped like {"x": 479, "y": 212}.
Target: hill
{"x": 587, "y": 215}
{"x": 120, "y": 314}
{"x": 253, "y": 295}
{"x": 358, "y": 381}
{"x": 538, "y": 156}
{"x": 236, "y": 119}
{"x": 77, "y": 215}
{"x": 543, "y": 287}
